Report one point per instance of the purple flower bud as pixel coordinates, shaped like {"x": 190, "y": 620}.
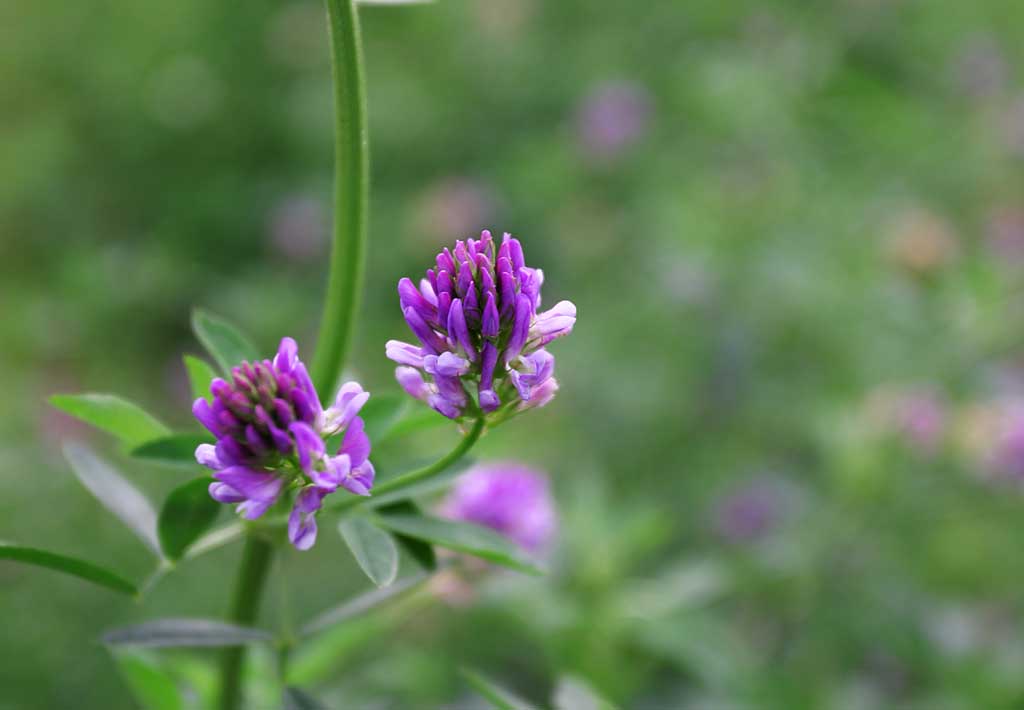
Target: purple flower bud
{"x": 476, "y": 317}
{"x": 267, "y": 419}
{"x": 509, "y": 498}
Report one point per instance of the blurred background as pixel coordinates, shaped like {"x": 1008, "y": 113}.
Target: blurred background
{"x": 788, "y": 447}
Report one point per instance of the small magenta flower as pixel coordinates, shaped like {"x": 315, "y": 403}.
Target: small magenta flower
{"x": 509, "y": 498}
{"x": 271, "y": 431}
{"x": 475, "y": 316}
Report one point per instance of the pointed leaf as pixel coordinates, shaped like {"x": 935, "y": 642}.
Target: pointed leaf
{"x": 222, "y": 340}
{"x": 498, "y": 696}
{"x": 123, "y": 419}
{"x": 461, "y": 537}
{"x": 185, "y": 633}
{"x": 68, "y": 565}
{"x": 200, "y": 375}
{"x": 187, "y": 513}
{"x": 360, "y": 605}
{"x": 296, "y": 699}
{"x": 373, "y": 549}
{"x": 422, "y": 552}
{"x": 177, "y": 449}
{"x": 215, "y": 539}
{"x": 114, "y": 492}
{"x": 152, "y": 687}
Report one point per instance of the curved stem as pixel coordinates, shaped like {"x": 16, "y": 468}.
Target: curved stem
{"x": 419, "y": 474}
{"x": 252, "y": 577}
{"x": 351, "y": 196}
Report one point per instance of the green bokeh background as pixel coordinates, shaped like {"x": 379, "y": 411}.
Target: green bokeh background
{"x": 814, "y": 217}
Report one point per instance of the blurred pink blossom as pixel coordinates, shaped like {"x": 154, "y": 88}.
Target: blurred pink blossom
{"x": 612, "y": 118}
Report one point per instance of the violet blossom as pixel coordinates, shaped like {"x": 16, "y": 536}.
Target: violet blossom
{"x": 510, "y": 499}
{"x": 475, "y": 317}
{"x": 271, "y": 431}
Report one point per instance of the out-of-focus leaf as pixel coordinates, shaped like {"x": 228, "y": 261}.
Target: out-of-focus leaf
{"x": 373, "y": 548}
{"x": 125, "y": 420}
{"x": 186, "y": 514}
{"x": 416, "y": 418}
{"x": 68, "y": 565}
{"x": 179, "y": 449}
{"x": 115, "y": 493}
{"x": 153, "y": 688}
{"x": 462, "y": 537}
{"x": 296, "y": 699}
{"x": 222, "y": 340}
{"x": 394, "y": 2}
{"x": 184, "y": 632}
{"x": 498, "y": 696}
{"x": 200, "y": 375}
{"x": 380, "y": 413}
{"x": 216, "y": 538}
{"x": 360, "y": 605}
{"x": 574, "y": 693}
{"x": 422, "y": 552}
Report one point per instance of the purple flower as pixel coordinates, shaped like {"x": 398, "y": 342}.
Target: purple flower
{"x": 475, "y": 317}
{"x": 612, "y": 118}
{"x": 271, "y": 431}
{"x": 509, "y": 498}
{"x": 751, "y": 512}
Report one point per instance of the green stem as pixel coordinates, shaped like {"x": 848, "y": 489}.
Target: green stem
{"x": 419, "y": 474}
{"x": 252, "y": 576}
{"x": 351, "y": 196}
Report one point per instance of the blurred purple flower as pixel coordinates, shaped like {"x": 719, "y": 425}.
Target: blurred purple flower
{"x": 980, "y": 70}
{"x": 750, "y": 512}
{"x": 614, "y": 116}
{"x": 298, "y": 228}
{"x": 509, "y": 498}
{"x": 918, "y": 414}
{"x": 1007, "y": 456}
{"x": 476, "y": 320}
{"x": 1006, "y": 232}
{"x": 271, "y": 431}
{"x": 456, "y": 206}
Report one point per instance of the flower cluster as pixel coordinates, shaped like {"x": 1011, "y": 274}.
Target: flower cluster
{"x": 475, "y": 316}
{"x": 271, "y": 430}
{"x": 509, "y": 498}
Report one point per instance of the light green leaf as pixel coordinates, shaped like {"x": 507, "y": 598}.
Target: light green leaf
{"x": 357, "y": 606}
{"x": 422, "y": 552}
{"x": 462, "y": 537}
{"x": 296, "y": 699}
{"x": 125, "y": 420}
{"x": 177, "y": 449}
{"x": 216, "y": 538}
{"x": 573, "y": 693}
{"x": 416, "y": 418}
{"x": 68, "y": 565}
{"x": 498, "y": 696}
{"x": 222, "y": 340}
{"x": 373, "y": 549}
{"x": 184, "y": 632}
{"x": 114, "y": 493}
{"x": 186, "y": 514}
{"x": 151, "y": 686}
{"x": 200, "y": 375}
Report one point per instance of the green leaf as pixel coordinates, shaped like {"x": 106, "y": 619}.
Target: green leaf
{"x": 151, "y": 686}
{"x": 217, "y": 538}
{"x": 177, "y": 449}
{"x": 360, "y": 605}
{"x": 573, "y": 693}
{"x": 68, "y": 565}
{"x": 123, "y": 419}
{"x": 114, "y": 493}
{"x": 416, "y": 418}
{"x": 422, "y": 552}
{"x": 394, "y": 2}
{"x": 296, "y": 699}
{"x": 222, "y": 340}
{"x": 381, "y": 413}
{"x": 373, "y": 549}
{"x": 200, "y": 375}
{"x": 186, "y": 514}
{"x": 461, "y": 537}
{"x": 498, "y": 696}
{"x": 184, "y": 632}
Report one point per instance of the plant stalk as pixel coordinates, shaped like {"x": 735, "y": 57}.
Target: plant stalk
{"x": 252, "y": 576}
{"x": 351, "y": 196}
